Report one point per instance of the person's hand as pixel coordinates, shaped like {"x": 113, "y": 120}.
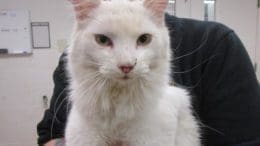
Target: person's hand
{"x": 55, "y": 142}
{"x": 50, "y": 143}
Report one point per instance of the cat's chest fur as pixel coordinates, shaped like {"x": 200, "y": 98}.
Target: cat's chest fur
{"x": 124, "y": 125}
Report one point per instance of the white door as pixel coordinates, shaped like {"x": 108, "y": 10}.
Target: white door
{"x": 190, "y": 9}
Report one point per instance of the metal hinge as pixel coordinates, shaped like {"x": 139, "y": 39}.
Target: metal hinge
{"x": 45, "y": 101}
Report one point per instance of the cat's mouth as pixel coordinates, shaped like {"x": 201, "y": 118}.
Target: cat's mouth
{"x": 125, "y": 77}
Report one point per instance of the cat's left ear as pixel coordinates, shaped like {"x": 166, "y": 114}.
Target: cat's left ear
{"x": 82, "y": 8}
{"x": 157, "y": 7}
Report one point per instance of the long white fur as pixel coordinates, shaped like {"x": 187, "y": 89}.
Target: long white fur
{"x": 141, "y": 111}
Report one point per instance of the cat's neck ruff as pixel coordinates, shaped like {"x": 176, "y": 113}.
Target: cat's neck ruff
{"x": 111, "y": 99}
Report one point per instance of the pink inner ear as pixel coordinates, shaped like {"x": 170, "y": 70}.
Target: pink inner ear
{"x": 83, "y": 7}
{"x": 156, "y": 6}
{"x": 75, "y": 1}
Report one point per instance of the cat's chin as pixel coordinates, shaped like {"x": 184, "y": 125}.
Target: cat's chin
{"x": 125, "y": 78}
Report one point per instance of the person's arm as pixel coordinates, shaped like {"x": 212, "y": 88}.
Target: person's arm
{"x": 230, "y": 96}
{"x": 211, "y": 61}
{"x": 53, "y": 123}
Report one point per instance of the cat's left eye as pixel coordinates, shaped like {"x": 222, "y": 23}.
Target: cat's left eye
{"x": 144, "y": 39}
{"x": 103, "y": 40}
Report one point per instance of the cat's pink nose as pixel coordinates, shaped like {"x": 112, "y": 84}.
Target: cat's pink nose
{"x": 126, "y": 68}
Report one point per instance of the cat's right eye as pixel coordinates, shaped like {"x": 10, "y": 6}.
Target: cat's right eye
{"x": 103, "y": 40}
{"x": 144, "y": 39}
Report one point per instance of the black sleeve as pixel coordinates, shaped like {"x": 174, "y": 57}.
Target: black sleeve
{"x": 53, "y": 123}
{"x": 230, "y": 103}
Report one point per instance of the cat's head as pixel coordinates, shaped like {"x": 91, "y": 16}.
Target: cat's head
{"x": 120, "y": 40}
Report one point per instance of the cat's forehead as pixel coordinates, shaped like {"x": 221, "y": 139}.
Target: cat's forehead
{"x": 114, "y": 6}
{"x": 126, "y": 16}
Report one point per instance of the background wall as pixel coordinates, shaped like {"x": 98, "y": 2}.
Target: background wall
{"x": 25, "y": 79}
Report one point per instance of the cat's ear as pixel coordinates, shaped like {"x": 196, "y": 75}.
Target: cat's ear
{"x": 82, "y": 8}
{"x": 157, "y": 7}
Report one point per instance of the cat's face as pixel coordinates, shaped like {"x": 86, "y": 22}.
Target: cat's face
{"x": 122, "y": 41}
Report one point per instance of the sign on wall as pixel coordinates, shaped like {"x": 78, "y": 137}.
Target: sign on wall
{"x": 15, "y": 32}
{"x": 41, "y": 35}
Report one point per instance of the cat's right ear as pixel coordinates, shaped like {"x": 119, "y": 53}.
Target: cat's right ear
{"x": 82, "y": 8}
{"x": 157, "y": 7}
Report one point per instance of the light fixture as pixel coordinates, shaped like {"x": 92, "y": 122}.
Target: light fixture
{"x": 209, "y": 2}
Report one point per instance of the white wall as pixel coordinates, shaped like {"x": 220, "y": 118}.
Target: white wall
{"x": 25, "y": 79}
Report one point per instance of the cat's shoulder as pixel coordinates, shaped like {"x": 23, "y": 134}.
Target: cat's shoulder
{"x": 177, "y": 97}
{"x": 177, "y": 93}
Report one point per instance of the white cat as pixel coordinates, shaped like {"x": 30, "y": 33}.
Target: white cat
{"x": 119, "y": 65}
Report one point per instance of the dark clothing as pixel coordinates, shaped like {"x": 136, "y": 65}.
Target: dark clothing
{"x": 54, "y": 120}
{"x": 212, "y": 63}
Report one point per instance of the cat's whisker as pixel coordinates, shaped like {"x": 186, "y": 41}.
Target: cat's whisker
{"x": 199, "y": 81}
{"x": 211, "y": 128}
{"x": 88, "y": 77}
{"x": 91, "y": 63}
{"x": 189, "y": 87}
{"x": 194, "y": 67}
{"x": 57, "y": 109}
{"x": 55, "y": 115}
{"x": 95, "y": 82}
{"x": 57, "y": 99}
{"x": 93, "y": 102}
{"x": 178, "y": 45}
{"x": 205, "y": 39}
{"x": 204, "y": 125}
